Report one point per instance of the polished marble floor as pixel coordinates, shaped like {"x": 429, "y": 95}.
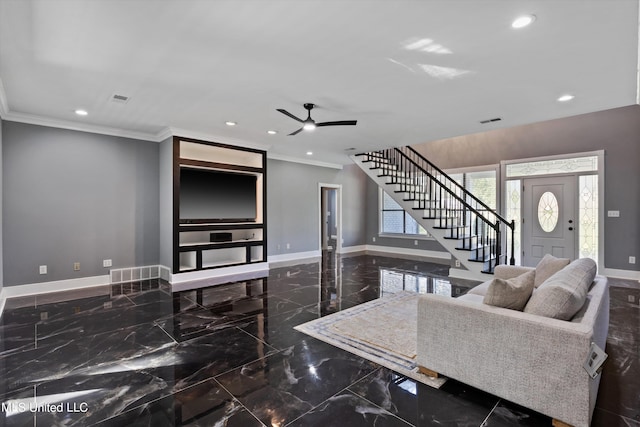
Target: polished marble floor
{"x": 227, "y": 355}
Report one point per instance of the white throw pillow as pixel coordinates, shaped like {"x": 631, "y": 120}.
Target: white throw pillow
{"x": 512, "y": 293}
{"x": 564, "y": 293}
{"x": 548, "y": 266}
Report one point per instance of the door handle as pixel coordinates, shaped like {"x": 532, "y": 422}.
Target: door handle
{"x": 570, "y": 228}
{"x": 570, "y": 221}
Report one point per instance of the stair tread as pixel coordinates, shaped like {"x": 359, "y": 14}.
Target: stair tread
{"x": 409, "y": 188}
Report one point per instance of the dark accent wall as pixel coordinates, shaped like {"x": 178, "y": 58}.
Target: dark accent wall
{"x": 617, "y": 131}
{"x": 73, "y": 196}
{"x": 293, "y": 205}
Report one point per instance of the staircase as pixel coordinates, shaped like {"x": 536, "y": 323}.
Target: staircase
{"x": 471, "y": 231}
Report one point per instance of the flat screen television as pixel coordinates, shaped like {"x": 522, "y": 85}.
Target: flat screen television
{"x": 214, "y": 196}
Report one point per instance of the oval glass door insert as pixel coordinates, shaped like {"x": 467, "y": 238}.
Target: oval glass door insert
{"x": 548, "y": 212}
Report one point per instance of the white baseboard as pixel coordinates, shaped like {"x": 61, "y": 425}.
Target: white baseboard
{"x": 421, "y": 253}
{"x": 620, "y": 274}
{"x": 353, "y": 249}
{"x": 458, "y": 273}
{"x": 2, "y": 301}
{"x": 296, "y": 256}
{"x": 217, "y": 273}
{"x": 54, "y": 286}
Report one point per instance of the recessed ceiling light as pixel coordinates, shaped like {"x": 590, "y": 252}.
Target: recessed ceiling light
{"x": 81, "y": 112}
{"x": 565, "y": 98}
{"x": 272, "y": 132}
{"x": 230, "y": 123}
{"x": 309, "y": 153}
{"x": 523, "y": 21}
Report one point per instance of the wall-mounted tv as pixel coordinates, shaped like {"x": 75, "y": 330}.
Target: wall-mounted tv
{"x": 214, "y": 196}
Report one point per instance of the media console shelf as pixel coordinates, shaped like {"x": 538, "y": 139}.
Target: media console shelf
{"x": 217, "y": 222}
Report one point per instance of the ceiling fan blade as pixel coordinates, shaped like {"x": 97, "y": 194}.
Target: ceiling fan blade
{"x": 286, "y": 113}
{"x": 296, "y": 132}
{"x": 338, "y": 123}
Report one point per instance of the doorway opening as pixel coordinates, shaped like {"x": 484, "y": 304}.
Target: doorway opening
{"x": 557, "y": 206}
{"x": 330, "y": 218}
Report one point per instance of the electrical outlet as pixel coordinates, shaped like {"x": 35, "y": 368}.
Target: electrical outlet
{"x": 457, "y": 263}
{"x": 415, "y": 242}
{"x": 374, "y": 239}
{"x": 613, "y": 214}
{"x": 76, "y": 266}
{"x": 43, "y": 269}
{"x": 631, "y": 299}
{"x": 107, "y": 263}
{"x": 632, "y": 260}
{"x": 288, "y": 246}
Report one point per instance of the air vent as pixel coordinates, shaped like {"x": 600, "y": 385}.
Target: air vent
{"x": 122, "y": 99}
{"x": 484, "y": 122}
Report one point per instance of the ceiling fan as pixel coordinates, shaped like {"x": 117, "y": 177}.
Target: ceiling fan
{"x": 309, "y": 124}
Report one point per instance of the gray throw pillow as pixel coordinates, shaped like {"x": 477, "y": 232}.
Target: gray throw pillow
{"x": 563, "y": 294}
{"x": 512, "y": 293}
{"x": 548, "y": 266}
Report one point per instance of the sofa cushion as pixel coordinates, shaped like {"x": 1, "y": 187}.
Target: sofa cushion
{"x": 480, "y": 289}
{"x": 511, "y": 293}
{"x": 548, "y": 266}
{"x": 471, "y": 298}
{"x": 562, "y": 295}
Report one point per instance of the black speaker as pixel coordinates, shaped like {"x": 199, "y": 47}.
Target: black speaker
{"x": 220, "y": 237}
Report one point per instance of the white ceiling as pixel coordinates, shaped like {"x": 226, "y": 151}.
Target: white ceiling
{"x": 189, "y": 66}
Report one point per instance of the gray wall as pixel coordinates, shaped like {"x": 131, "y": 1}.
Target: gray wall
{"x": 293, "y": 209}
{"x": 76, "y": 197}
{"x": 166, "y": 202}
{"x": 617, "y": 131}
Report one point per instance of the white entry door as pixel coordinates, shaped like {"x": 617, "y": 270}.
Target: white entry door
{"x": 549, "y": 218}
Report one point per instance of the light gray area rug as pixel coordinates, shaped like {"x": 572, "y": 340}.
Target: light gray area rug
{"x": 383, "y": 331}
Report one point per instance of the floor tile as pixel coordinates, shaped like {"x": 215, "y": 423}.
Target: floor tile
{"x": 138, "y": 354}
{"x": 348, "y": 409}
{"x": 602, "y": 418}
{"x": 202, "y": 405}
{"x": 283, "y": 386}
{"x": 508, "y": 414}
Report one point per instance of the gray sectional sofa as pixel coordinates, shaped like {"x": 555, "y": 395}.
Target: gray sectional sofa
{"x": 530, "y": 359}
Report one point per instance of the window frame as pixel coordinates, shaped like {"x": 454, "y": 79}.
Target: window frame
{"x": 404, "y": 234}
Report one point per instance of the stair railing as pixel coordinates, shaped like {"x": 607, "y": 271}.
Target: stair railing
{"x": 465, "y": 217}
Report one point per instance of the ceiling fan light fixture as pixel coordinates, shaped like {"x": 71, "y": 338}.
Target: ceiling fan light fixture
{"x": 523, "y": 21}
{"x": 565, "y": 98}
{"x": 309, "y": 124}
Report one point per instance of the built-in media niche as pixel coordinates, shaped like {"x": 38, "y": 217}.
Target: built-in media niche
{"x": 219, "y": 208}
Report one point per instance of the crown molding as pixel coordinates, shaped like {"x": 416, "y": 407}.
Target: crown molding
{"x": 206, "y": 136}
{"x": 163, "y": 134}
{"x": 81, "y": 127}
{"x": 280, "y": 157}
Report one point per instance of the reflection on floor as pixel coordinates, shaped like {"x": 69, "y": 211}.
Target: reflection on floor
{"x": 137, "y": 354}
